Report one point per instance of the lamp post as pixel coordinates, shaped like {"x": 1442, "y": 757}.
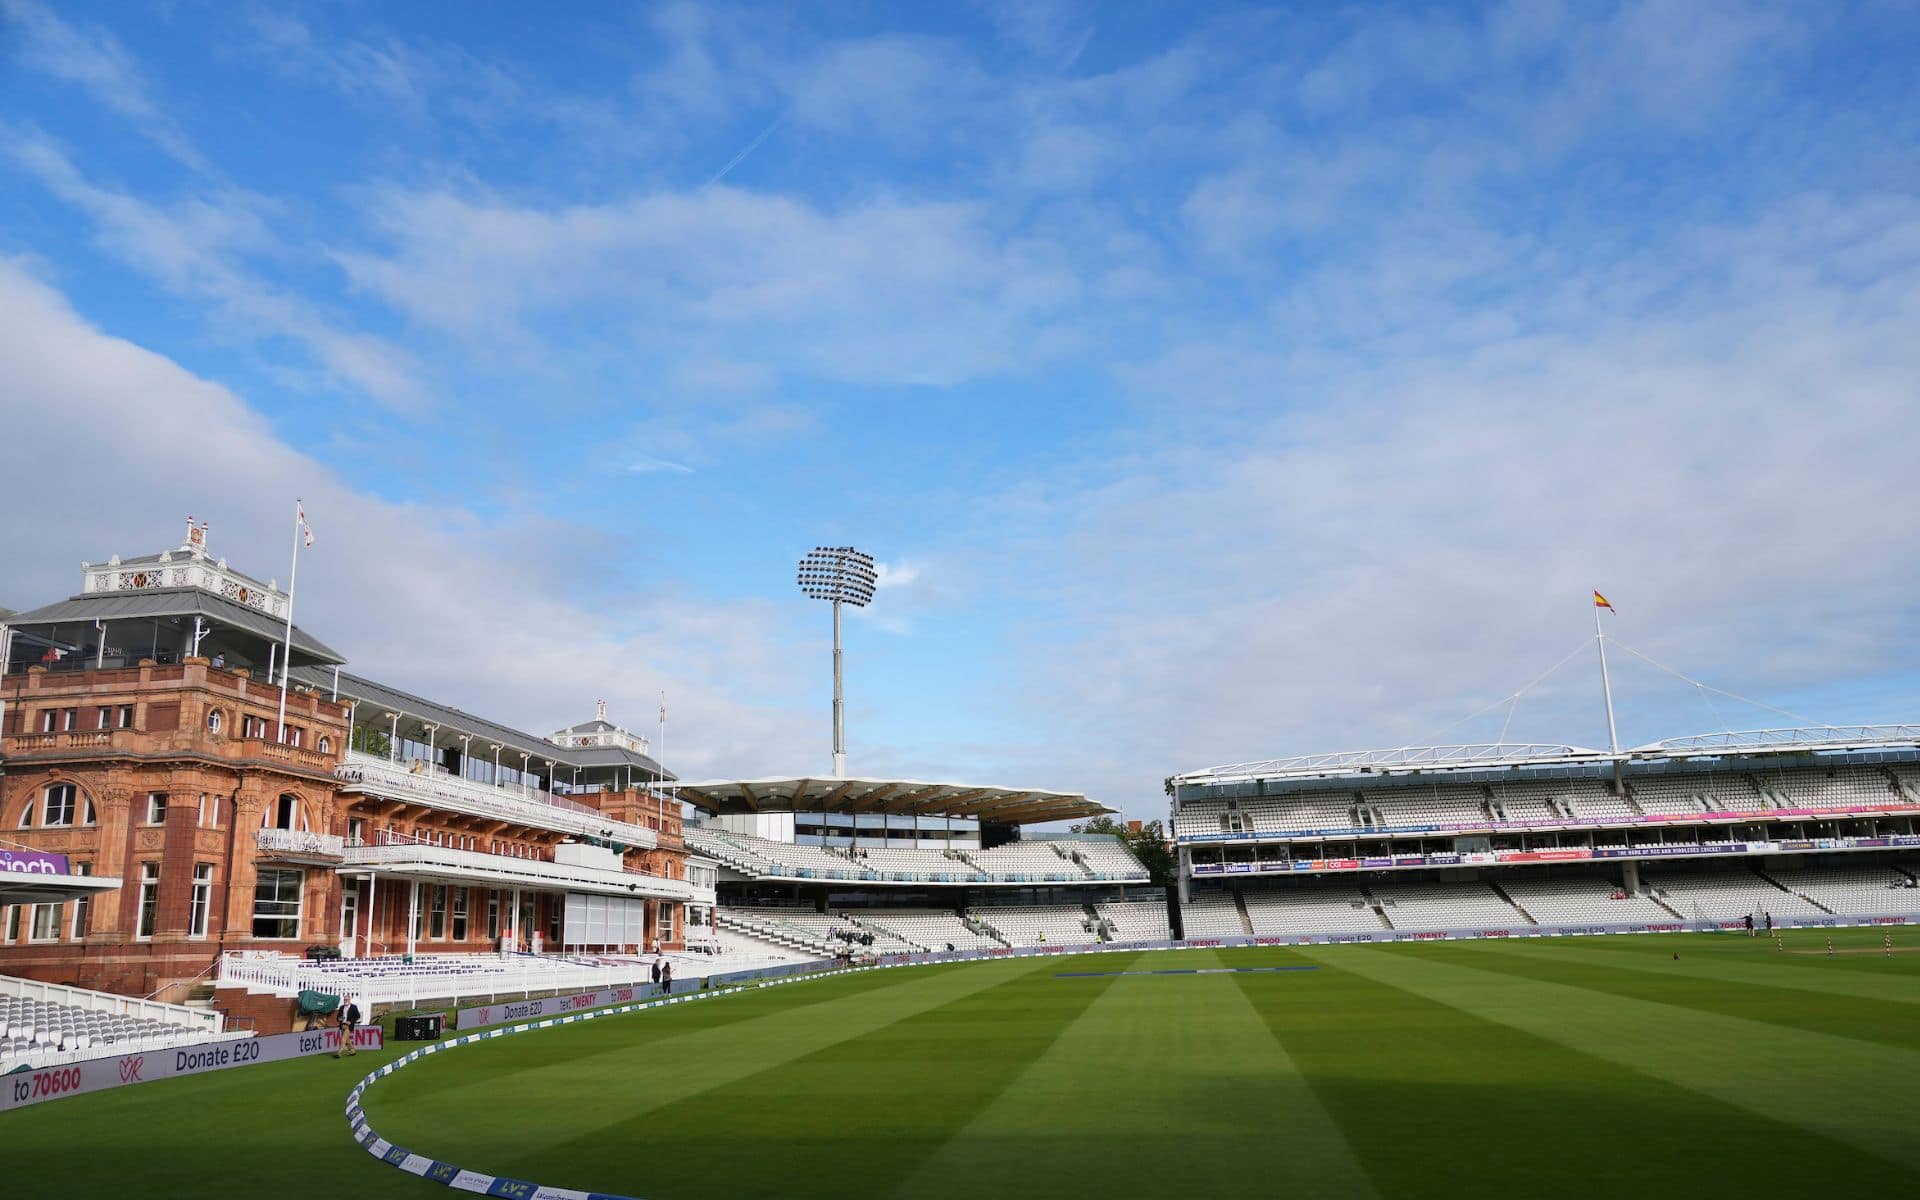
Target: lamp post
{"x": 843, "y": 575}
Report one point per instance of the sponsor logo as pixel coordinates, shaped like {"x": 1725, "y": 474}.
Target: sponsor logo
{"x": 130, "y": 1068}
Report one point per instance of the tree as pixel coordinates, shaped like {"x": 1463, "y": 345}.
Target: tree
{"x": 1148, "y": 844}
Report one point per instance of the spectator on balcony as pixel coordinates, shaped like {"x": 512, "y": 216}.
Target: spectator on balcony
{"x": 220, "y": 661}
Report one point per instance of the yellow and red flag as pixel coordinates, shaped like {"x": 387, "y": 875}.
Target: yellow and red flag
{"x": 1600, "y": 601}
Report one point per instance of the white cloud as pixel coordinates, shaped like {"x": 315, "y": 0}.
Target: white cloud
{"x": 200, "y": 248}
{"x": 95, "y": 60}
{"x": 429, "y": 598}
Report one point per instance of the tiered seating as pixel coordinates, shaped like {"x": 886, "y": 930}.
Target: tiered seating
{"x": 1444, "y": 905}
{"x": 1298, "y": 811}
{"x": 929, "y": 928}
{"x": 1432, "y": 805}
{"x": 1595, "y": 801}
{"x": 45, "y": 1032}
{"x": 1199, "y": 818}
{"x": 919, "y": 863}
{"x": 1315, "y": 910}
{"x": 1136, "y": 920}
{"x": 1025, "y": 861}
{"x": 1530, "y": 801}
{"x": 1582, "y": 902}
{"x": 1211, "y": 916}
{"x": 1815, "y": 787}
{"x": 1669, "y": 794}
{"x": 827, "y": 925}
{"x": 1725, "y": 897}
{"x": 1106, "y": 859}
{"x": 1854, "y": 891}
{"x": 1033, "y": 925}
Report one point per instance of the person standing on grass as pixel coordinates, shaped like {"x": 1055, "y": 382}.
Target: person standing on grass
{"x": 349, "y": 1021}
{"x": 1769, "y": 917}
{"x": 1749, "y": 924}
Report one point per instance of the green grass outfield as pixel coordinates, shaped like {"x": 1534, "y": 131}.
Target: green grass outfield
{"x": 1569, "y": 1067}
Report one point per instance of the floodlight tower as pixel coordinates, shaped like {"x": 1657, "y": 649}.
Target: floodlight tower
{"x": 845, "y": 576}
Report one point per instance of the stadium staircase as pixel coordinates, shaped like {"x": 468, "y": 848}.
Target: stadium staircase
{"x": 983, "y": 929}
{"x": 1654, "y": 895}
{"x": 1379, "y": 909}
{"x": 1073, "y": 856}
{"x": 1240, "y": 906}
{"x": 868, "y": 923}
{"x": 780, "y": 934}
{"x": 1518, "y": 907}
{"x": 1789, "y": 891}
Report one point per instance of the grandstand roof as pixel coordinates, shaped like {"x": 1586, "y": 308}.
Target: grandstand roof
{"x": 897, "y": 797}
{"x": 1406, "y": 760}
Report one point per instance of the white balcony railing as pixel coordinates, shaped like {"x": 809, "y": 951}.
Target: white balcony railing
{"x": 500, "y": 870}
{"x": 298, "y": 841}
{"x": 542, "y": 810}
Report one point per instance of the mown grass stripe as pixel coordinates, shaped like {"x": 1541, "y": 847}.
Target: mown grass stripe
{"x": 1159, "y": 1088}
{"x": 504, "y": 1123}
{"x": 1856, "y": 1093}
{"x": 1851, "y": 1007}
{"x": 865, "y": 1113}
{"x": 1436, "y": 1101}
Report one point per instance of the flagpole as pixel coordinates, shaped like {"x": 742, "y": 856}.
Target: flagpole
{"x": 286, "y": 654}
{"x": 1606, "y": 684}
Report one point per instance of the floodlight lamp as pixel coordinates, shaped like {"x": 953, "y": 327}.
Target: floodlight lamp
{"x": 838, "y": 573}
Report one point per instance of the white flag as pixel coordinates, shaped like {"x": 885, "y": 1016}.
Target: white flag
{"x": 306, "y": 530}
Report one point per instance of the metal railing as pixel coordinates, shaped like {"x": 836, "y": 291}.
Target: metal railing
{"x": 526, "y": 806}
{"x": 444, "y": 978}
{"x": 299, "y": 841}
{"x": 125, "y": 1006}
{"x": 508, "y": 871}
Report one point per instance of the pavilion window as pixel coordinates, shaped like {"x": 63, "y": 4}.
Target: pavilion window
{"x": 286, "y": 812}
{"x": 125, "y": 718}
{"x": 460, "y": 914}
{"x": 156, "y": 808}
{"x": 83, "y": 905}
{"x": 149, "y": 907}
{"x": 46, "y": 923}
{"x": 59, "y": 805}
{"x": 493, "y": 914}
{"x": 69, "y": 719}
{"x": 202, "y": 899}
{"x": 437, "y": 912}
{"x": 105, "y": 715}
{"x": 276, "y": 904}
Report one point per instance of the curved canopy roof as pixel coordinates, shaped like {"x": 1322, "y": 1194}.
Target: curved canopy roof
{"x": 1413, "y": 759}
{"x": 896, "y": 797}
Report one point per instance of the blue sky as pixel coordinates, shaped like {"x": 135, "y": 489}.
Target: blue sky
{"x": 1215, "y": 381}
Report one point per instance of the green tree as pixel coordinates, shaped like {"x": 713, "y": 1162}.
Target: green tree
{"x": 1148, "y": 844}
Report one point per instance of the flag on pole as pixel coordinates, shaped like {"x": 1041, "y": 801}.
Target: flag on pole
{"x": 663, "y": 708}
{"x": 1600, "y": 601}
{"x": 306, "y": 530}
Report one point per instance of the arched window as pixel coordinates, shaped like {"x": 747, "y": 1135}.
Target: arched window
{"x": 326, "y": 744}
{"x": 59, "y": 809}
{"x": 214, "y": 720}
{"x": 286, "y": 812}
{"x": 26, "y": 814}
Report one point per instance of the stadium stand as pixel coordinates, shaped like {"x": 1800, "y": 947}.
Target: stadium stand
{"x": 1581, "y": 902}
{"x": 1135, "y": 920}
{"x": 1728, "y": 896}
{"x": 45, "y": 1025}
{"x": 930, "y": 929}
{"x": 1105, "y": 859}
{"x": 1211, "y": 916}
{"x": 1016, "y": 862}
{"x": 1317, "y": 910}
{"x": 1041, "y": 924}
{"x": 1412, "y": 905}
{"x": 1853, "y": 891}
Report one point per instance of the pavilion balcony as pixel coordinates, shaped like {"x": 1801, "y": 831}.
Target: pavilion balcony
{"x": 299, "y": 844}
{"x": 372, "y": 776}
{"x": 443, "y": 864}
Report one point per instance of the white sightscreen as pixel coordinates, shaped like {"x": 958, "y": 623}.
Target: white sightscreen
{"x": 603, "y": 921}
